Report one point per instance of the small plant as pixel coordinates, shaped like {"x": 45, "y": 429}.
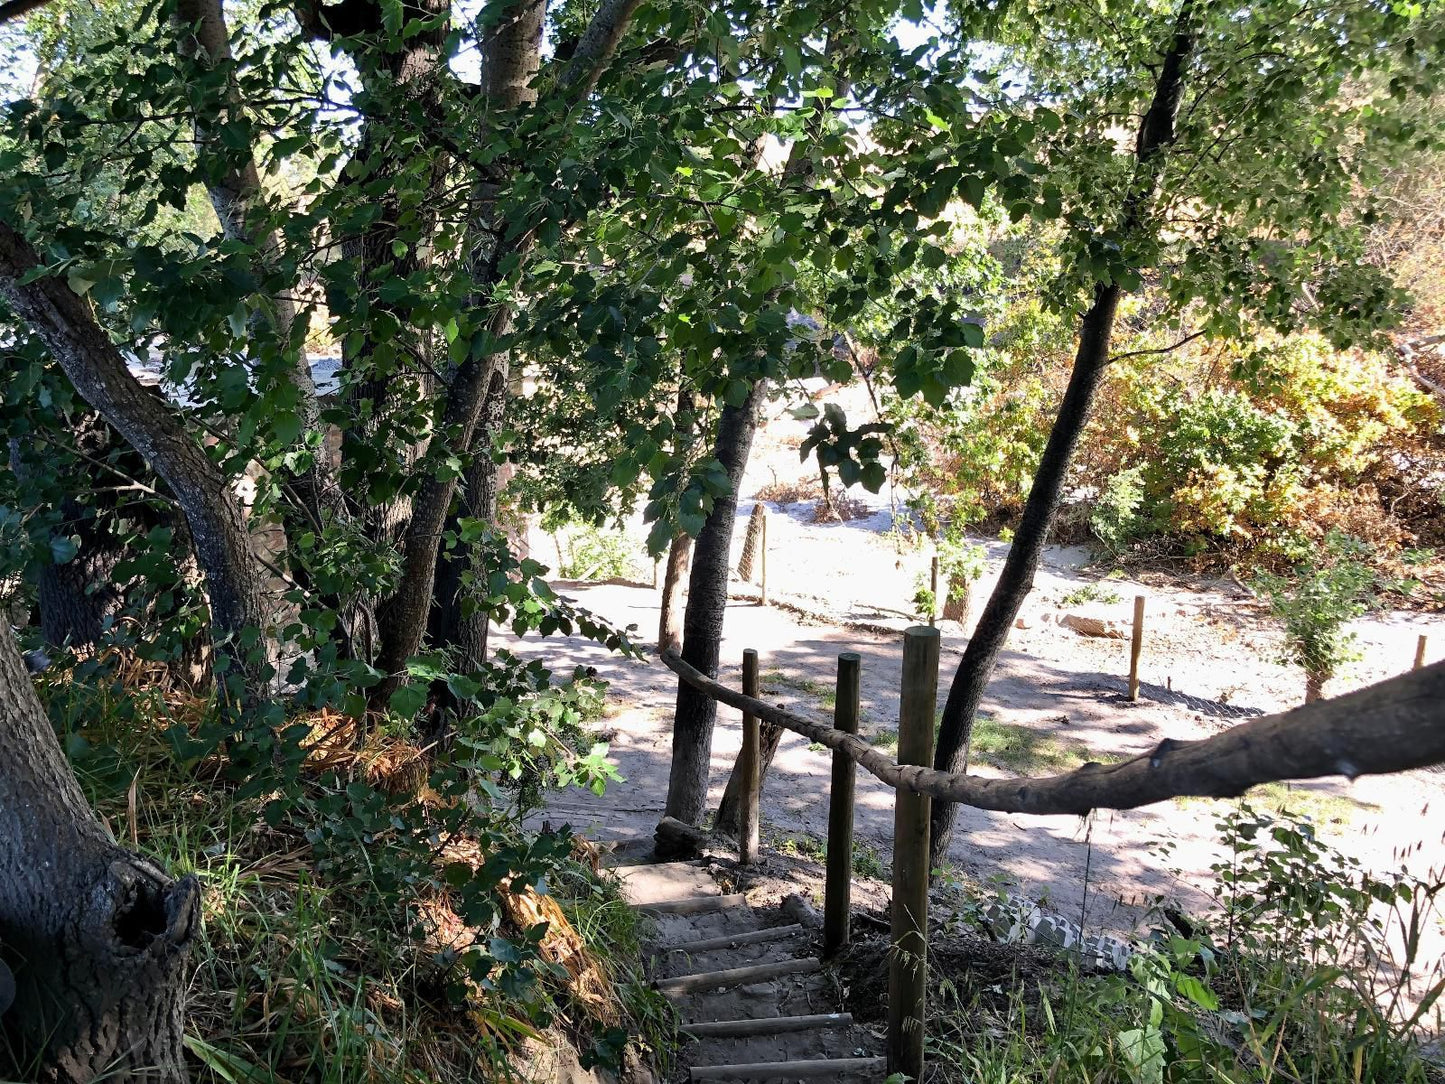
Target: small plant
{"x": 1115, "y": 518}
{"x": 587, "y": 552}
{"x": 1092, "y": 592}
{"x": 1325, "y": 592}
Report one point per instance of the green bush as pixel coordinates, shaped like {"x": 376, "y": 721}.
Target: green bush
{"x": 1326, "y": 591}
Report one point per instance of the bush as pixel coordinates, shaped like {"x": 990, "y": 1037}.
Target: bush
{"x": 1325, "y": 592}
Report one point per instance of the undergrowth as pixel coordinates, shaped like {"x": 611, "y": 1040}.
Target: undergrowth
{"x": 1306, "y": 969}
{"x": 362, "y": 958}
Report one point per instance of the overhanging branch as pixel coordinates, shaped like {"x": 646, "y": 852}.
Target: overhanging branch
{"x": 1394, "y": 726}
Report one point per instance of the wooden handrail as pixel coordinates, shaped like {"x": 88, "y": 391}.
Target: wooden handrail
{"x": 1393, "y": 726}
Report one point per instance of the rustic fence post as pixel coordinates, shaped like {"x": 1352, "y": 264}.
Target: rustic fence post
{"x": 748, "y": 812}
{"x": 838, "y": 891}
{"x": 1420, "y": 652}
{"x": 933, "y": 591}
{"x": 1136, "y": 646}
{"x": 908, "y": 963}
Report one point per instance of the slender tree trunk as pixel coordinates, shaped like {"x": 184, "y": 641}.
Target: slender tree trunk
{"x": 96, "y": 936}
{"x": 679, "y": 553}
{"x": 453, "y": 624}
{"x": 216, "y": 519}
{"x": 236, "y": 195}
{"x": 729, "y": 810}
{"x": 669, "y": 623}
{"x": 1156, "y": 132}
{"x": 1315, "y": 686}
{"x": 707, "y": 598}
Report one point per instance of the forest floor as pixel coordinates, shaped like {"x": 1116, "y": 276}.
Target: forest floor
{"x": 1056, "y": 700}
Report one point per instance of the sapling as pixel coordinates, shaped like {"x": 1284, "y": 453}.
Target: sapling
{"x": 1328, "y": 589}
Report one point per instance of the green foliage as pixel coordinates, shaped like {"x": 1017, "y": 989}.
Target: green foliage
{"x": 587, "y": 552}
{"x": 1295, "y": 975}
{"x": 1333, "y": 587}
{"x": 1091, "y": 592}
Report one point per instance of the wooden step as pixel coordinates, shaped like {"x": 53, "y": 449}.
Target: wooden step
{"x": 693, "y": 905}
{"x": 790, "y": 1070}
{"x": 736, "y": 976}
{"x": 733, "y": 940}
{"x": 767, "y": 1025}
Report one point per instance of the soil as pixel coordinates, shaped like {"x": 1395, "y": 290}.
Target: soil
{"x": 833, "y": 586}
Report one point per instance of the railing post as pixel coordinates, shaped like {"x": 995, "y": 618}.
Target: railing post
{"x": 748, "y": 761}
{"x": 933, "y": 590}
{"x": 1420, "y": 651}
{"x": 838, "y": 892}
{"x": 908, "y": 964}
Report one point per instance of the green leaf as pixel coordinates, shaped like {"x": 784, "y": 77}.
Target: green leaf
{"x": 408, "y": 700}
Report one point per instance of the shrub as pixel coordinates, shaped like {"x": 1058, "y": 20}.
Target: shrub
{"x": 1314, "y": 604}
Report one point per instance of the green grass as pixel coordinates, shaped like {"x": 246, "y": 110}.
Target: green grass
{"x": 1320, "y": 807}
{"x": 1023, "y": 750}
{"x": 775, "y": 681}
{"x": 1013, "y": 747}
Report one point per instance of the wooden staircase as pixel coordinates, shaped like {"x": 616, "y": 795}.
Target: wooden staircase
{"x": 753, "y": 996}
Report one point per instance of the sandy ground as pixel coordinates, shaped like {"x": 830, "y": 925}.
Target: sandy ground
{"x": 1207, "y": 664}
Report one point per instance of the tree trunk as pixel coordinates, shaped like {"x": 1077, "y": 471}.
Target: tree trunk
{"x": 703, "y": 622}
{"x": 217, "y": 522}
{"x": 1315, "y": 686}
{"x": 235, "y": 193}
{"x": 669, "y": 624}
{"x": 1156, "y": 132}
{"x": 752, "y": 539}
{"x": 96, "y": 936}
{"x": 729, "y": 810}
{"x": 452, "y": 623}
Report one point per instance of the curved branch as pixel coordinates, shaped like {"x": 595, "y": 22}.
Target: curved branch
{"x": 1394, "y": 726}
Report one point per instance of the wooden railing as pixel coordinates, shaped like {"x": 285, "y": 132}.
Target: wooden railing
{"x": 1394, "y": 726}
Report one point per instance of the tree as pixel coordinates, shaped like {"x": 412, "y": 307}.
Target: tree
{"x": 96, "y": 936}
{"x": 1182, "y": 209}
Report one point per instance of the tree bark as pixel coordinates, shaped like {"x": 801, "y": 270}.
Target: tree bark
{"x": 454, "y": 625}
{"x": 703, "y": 622}
{"x": 96, "y": 936}
{"x": 669, "y": 622}
{"x": 729, "y": 810}
{"x": 216, "y": 519}
{"x": 1156, "y": 133}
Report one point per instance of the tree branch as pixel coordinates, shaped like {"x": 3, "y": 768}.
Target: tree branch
{"x": 1394, "y": 726}
{"x": 13, "y": 9}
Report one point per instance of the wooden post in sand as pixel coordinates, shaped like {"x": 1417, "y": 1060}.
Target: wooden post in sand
{"x": 933, "y": 591}
{"x": 749, "y": 762}
{"x": 908, "y": 955}
{"x": 1136, "y": 646}
{"x": 838, "y": 891}
{"x": 1420, "y": 652}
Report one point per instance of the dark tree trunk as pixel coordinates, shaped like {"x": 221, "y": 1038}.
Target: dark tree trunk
{"x": 729, "y": 810}
{"x": 78, "y": 600}
{"x": 219, "y": 531}
{"x": 453, "y": 624}
{"x": 1156, "y": 132}
{"x": 707, "y": 598}
{"x": 669, "y": 623}
{"x": 96, "y": 936}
